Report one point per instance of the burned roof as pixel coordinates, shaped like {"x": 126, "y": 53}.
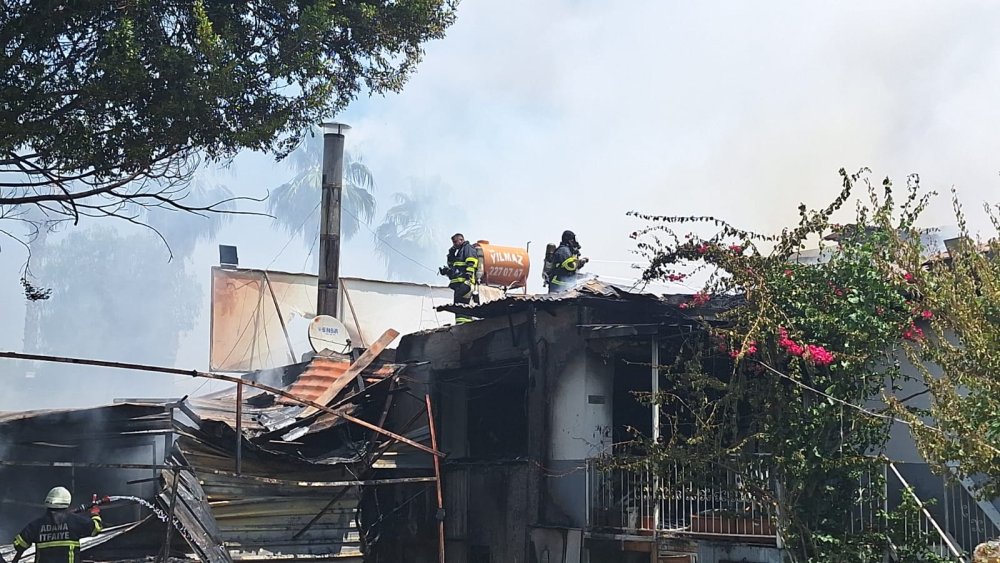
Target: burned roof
{"x": 588, "y": 290}
{"x": 598, "y": 292}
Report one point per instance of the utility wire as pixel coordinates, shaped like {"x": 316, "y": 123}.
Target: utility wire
{"x": 257, "y": 307}
{"x": 386, "y": 243}
{"x": 857, "y": 407}
{"x": 295, "y": 234}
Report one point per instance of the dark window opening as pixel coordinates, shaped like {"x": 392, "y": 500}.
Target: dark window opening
{"x": 679, "y": 360}
{"x": 479, "y": 554}
{"x": 497, "y": 414}
{"x": 633, "y": 382}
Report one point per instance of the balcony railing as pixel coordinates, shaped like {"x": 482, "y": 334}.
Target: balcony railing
{"x": 733, "y": 505}
{"x": 724, "y": 504}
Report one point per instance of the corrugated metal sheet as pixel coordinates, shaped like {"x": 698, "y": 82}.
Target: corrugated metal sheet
{"x": 263, "y": 414}
{"x": 595, "y": 291}
{"x": 194, "y": 514}
{"x": 289, "y": 469}
{"x": 516, "y": 302}
{"x": 118, "y": 419}
{"x": 324, "y": 372}
{"x": 249, "y": 515}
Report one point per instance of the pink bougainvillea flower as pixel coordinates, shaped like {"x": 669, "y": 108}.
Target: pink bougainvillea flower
{"x": 790, "y": 346}
{"x": 927, "y": 315}
{"x": 788, "y": 273}
{"x": 818, "y": 355}
{"x": 914, "y": 333}
{"x": 683, "y": 305}
{"x": 908, "y": 277}
{"x": 702, "y": 248}
{"x": 736, "y": 248}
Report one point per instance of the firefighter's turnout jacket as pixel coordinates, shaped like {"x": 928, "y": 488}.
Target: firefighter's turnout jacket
{"x": 57, "y": 536}
{"x": 565, "y": 263}
{"x": 463, "y": 263}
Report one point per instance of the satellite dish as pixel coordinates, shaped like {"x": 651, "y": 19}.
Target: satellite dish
{"x": 327, "y": 333}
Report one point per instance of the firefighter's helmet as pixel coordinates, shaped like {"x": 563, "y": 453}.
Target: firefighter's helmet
{"x": 58, "y": 497}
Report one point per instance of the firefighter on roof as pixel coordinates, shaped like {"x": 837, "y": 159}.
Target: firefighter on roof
{"x": 564, "y": 264}
{"x": 57, "y": 534}
{"x": 463, "y": 264}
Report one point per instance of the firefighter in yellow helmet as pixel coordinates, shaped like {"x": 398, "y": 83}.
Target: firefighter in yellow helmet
{"x": 463, "y": 263}
{"x": 57, "y": 534}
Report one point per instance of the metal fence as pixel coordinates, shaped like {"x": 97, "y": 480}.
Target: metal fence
{"x": 921, "y": 524}
{"x": 967, "y": 520}
{"x": 734, "y": 502}
{"x": 724, "y": 503}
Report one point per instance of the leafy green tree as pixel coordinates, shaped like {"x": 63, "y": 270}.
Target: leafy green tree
{"x": 802, "y": 349}
{"x": 410, "y": 240}
{"x": 295, "y": 204}
{"x": 112, "y": 104}
{"x": 959, "y": 355}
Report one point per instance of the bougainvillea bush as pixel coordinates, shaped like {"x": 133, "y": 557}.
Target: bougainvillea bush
{"x": 805, "y": 353}
{"x": 958, "y": 356}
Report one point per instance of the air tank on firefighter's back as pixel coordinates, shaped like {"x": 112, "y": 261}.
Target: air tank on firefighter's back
{"x": 503, "y": 266}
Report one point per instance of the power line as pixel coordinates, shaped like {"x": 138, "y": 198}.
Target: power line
{"x": 259, "y": 305}
{"x": 386, "y": 243}
{"x": 295, "y": 233}
{"x": 859, "y": 408}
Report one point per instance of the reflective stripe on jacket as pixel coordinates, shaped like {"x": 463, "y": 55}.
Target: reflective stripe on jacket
{"x": 462, "y": 263}
{"x": 57, "y": 536}
{"x": 565, "y": 263}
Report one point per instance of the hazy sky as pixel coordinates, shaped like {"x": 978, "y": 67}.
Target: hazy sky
{"x": 547, "y": 115}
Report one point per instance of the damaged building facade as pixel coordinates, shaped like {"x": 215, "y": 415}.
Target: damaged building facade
{"x": 542, "y": 399}
{"x": 526, "y": 402}
{"x": 533, "y": 399}
{"x": 484, "y": 442}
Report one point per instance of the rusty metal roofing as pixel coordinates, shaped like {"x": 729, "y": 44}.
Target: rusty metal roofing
{"x": 676, "y": 306}
{"x": 322, "y": 373}
{"x": 264, "y": 413}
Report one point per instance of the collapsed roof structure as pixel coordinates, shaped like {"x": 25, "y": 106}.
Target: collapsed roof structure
{"x": 242, "y": 475}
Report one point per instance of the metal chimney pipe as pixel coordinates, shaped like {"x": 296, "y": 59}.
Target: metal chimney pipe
{"x": 329, "y": 232}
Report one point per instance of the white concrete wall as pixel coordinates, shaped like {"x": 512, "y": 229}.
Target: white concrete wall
{"x": 581, "y": 409}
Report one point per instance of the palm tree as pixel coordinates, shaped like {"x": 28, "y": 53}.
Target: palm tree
{"x": 409, "y": 240}
{"x": 295, "y": 204}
